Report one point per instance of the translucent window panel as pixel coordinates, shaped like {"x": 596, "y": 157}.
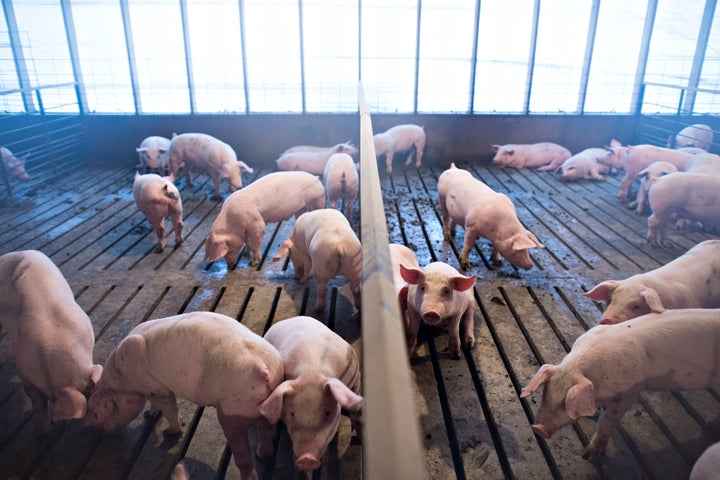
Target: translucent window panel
{"x": 615, "y": 56}
{"x": 9, "y": 103}
{"x": 559, "y": 57}
{"x": 160, "y": 56}
{"x": 504, "y": 38}
{"x": 673, "y": 42}
{"x": 388, "y": 36}
{"x": 103, "y": 55}
{"x": 216, "y": 51}
{"x": 446, "y": 36}
{"x": 272, "y": 33}
{"x": 330, "y": 36}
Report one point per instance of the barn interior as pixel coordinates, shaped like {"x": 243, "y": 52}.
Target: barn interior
{"x": 427, "y": 416}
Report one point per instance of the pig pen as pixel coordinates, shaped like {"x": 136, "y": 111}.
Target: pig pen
{"x": 473, "y": 423}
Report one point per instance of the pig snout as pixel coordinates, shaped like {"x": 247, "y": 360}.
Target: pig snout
{"x": 543, "y": 430}
{"x": 431, "y": 317}
{"x": 307, "y": 463}
{"x": 607, "y": 321}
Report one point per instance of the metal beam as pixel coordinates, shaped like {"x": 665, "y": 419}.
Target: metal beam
{"x": 531, "y": 58}
{"x": 589, "y": 46}
{"x": 302, "y": 55}
{"x": 473, "y": 58}
{"x": 699, "y": 58}
{"x": 74, "y": 55}
{"x": 188, "y": 55}
{"x": 417, "y": 56}
{"x": 19, "y": 57}
{"x": 241, "y": 10}
{"x": 643, "y": 56}
{"x": 130, "y": 46}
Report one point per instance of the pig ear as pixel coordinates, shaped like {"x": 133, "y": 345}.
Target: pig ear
{"x": 602, "y": 291}
{"x": 539, "y": 379}
{"x": 284, "y": 250}
{"x": 522, "y": 242}
{"x": 413, "y": 276}
{"x": 69, "y": 404}
{"x": 215, "y": 248}
{"x": 461, "y": 283}
{"x": 271, "y": 407}
{"x": 402, "y": 298}
{"x": 344, "y": 396}
{"x": 494, "y": 148}
{"x": 653, "y": 300}
{"x": 580, "y": 400}
{"x": 95, "y": 374}
{"x": 141, "y": 150}
{"x": 137, "y": 174}
{"x": 615, "y": 143}
{"x": 170, "y": 178}
{"x": 642, "y": 174}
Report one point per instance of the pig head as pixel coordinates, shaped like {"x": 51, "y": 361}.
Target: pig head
{"x": 14, "y": 166}
{"x": 625, "y": 300}
{"x": 439, "y": 295}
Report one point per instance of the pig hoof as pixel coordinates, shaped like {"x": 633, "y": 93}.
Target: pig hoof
{"x": 216, "y": 198}
{"x": 159, "y": 249}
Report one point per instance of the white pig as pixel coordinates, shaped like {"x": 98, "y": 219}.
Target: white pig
{"x": 648, "y": 177}
{"x": 704, "y": 163}
{"x": 694, "y": 197}
{"x": 698, "y": 135}
{"x": 401, "y": 255}
{"x": 440, "y": 296}
{"x": 465, "y": 200}
{"x": 322, "y": 375}
{"x": 400, "y": 139}
{"x": 546, "y": 155}
{"x": 585, "y": 165}
{"x": 610, "y": 365}
{"x": 324, "y": 244}
{"x": 158, "y": 198}
{"x": 153, "y": 154}
{"x": 312, "y": 159}
{"x": 207, "y": 153}
{"x": 636, "y": 158}
{"x": 14, "y": 167}
{"x": 272, "y": 198}
{"x": 206, "y": 358}
{"x": 690, "y": 281}
{"x": 52, "y": 337}
{"x": 708, "y": 465}
{"x": 341, "y": 181}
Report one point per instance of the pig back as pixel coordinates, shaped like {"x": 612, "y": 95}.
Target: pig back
{"x": 280, "y": 195}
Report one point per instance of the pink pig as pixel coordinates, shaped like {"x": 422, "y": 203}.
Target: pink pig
{"x": 153, "y": 154}
{"x": 690, "y": 196}
{"x": 401, "y": 255}
{"x": 440, "y": 296}
{"x": 312, "y": 159}
{"x": 697, "y": 136}
{"x": 14, "y": 167}
{"x": 324, "y": 244}
{"x": 399, "y": 139}
{"x": 648, "y": 177}
{"x": 158, "y": 198}
{"x": 546, "y": 155}
{"x": 207, "y": 358}
{"x": 52, "y": 337}
{"x": 636, "y": 158}
{"x": 690, "y": 281}
{"x": 272, "y": 198}
{"x": 207, "y": 153}
{"x": 341, "y": 181}
{"x": 322, "y": 374}
{"x": 708, "y": 465}
{"x": 465, "y": 200}
{"x": 610, "y": 365}
{"x": 704, "y": 163}
{"x": 584, "y": 165}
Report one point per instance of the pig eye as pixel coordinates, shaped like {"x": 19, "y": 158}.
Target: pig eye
{"x": 447, "y": 292}
{"x": 421, "y": 288}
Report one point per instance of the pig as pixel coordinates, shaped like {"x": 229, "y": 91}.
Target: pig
{"x": 324, "y": 244}
{"x": 465, "y": 200}
{"x": 322, "y": 375}
{"x": 698, "y": 136}
{"x": 545, "y": 155}
{"x": 691, "y": 150}
{"x": 704, "y": 163}
{"x": 401, "y": 255}
{"x": 14, "y": 167}
{"x": 206, "y": 358}
{"x": 609, "y": 366}
{"x": 312, "y": 159}
{"x": 341, "y": 181}
{"x": 584, "y": 165}
{"x": 708, "y": 465}
{"x": 690, "y": 281}
{"x": 440, "y": 296}
{"x": 207, "y": 153}
{"x": 52, "y": 337}
{"x": 272, "y": 198}
{"x": 693, "y": 197}
{"x": 153, "y": 154}
{"x": 158, "y": 198}
{"x": 648, "y": 177}
{"x": 636, "y": 158}
{"x": 400, "y": 139}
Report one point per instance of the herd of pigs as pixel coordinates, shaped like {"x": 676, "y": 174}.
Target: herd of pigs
{"x": 668, "y": 337}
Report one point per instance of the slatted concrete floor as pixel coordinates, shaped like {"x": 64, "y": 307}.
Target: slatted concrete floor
{"x": 473, "y": 423}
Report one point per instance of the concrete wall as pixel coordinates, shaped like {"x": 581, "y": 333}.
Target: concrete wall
{"x": 258, "y": 139}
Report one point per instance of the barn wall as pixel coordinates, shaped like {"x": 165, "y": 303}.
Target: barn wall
{"x": 258, "y": 139}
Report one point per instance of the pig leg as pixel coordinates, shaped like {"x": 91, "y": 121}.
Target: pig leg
{"x": 468, "y": 325}
{"x": 495, "y": 257}
{"x": 608, "y": 421}
{"x": 188, "y": 178}
{"x": 254, "y": 240}
{"x": 266, "y": 436}
{"x": 348, "y": 208}
{"x": 178, "y": 226}
{"x": 165, "y": 402}
{"x": 447, "y": 221}
{"x": 322, "y": 288}
{"x": 216, "y": 182}
{"x": 236, "y": 428}
{"x": 159, "y": 229}
{"x": 388, "y": 161}
{"x": 39, "y": 408}
{"x": 625, "y": 186}
{"x": 454, "y": 339}
{"x": 656, "y": 231}
{"x": 468, "y": 244}
{"x": 232, "y": 255}
{"x": 413, "y": 326}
